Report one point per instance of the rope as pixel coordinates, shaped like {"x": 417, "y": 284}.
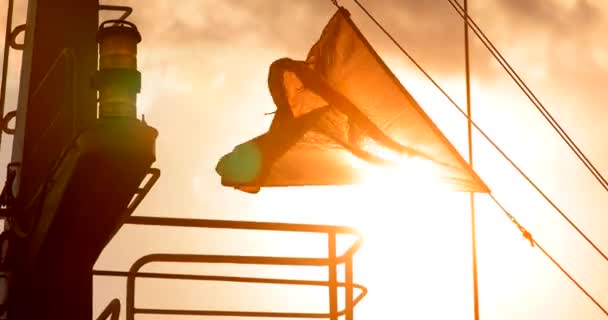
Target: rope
{"x": 531, "y": 96}
{"x": 485, "y": 136}
{"x": 526, "y": 234}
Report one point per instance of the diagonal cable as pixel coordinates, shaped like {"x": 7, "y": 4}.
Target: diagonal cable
{"x": 483, "y": 133}
{"x": 502, "y": 61}
{"x": 528, "y": 92}
{"x": 526, "y": 234}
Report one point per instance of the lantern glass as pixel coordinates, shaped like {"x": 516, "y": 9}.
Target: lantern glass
{"x": 118, "y": 80}
{"x": 117, "y": 101}
{"x": 118, "y": 51}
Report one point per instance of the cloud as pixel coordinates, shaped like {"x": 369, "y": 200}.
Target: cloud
{"x": 558, "y": 15}
{"x": 430, "y": 29}
{"x": 552, "y": 44}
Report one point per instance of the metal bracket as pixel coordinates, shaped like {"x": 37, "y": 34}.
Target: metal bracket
{"x": 141, "y": 193}
{"x": 13, "y": 37}
{"x": 126, "y": 10}
{"x": 4, "y": 122}
{"x": 7, "y": 198}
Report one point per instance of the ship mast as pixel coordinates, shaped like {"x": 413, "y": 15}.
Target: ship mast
{"x": 470, "y": 153}
{"x": 75, "y": 172}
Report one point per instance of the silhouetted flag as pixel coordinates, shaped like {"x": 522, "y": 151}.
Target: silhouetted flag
{"x": 340, "y": 106}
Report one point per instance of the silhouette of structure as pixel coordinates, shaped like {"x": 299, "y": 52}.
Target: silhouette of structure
{"x": 73, "y": 174}
{"x": 81, "y": 165}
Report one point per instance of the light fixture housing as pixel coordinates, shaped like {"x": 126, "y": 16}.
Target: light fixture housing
{"x": 118, "y": 80}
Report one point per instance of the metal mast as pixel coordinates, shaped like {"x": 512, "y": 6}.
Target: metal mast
{"x": 470, "y": 145}
{"x": 74, "y": 176}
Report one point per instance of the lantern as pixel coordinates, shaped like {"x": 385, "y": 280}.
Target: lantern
{"x": 118, "y": 80}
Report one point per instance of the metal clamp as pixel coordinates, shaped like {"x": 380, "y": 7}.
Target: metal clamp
{"x": 5, "y": 121}
{"x": 12, "y": 38}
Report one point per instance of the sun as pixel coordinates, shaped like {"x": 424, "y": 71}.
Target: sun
{"x": 407, "y": 216}
{"x": 407, "y": 183}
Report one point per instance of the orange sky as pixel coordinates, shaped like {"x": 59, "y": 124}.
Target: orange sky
{"x": 205, "y": 64}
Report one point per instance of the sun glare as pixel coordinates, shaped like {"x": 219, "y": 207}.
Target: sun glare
{"x": 407, "y": 183}
{"x": 408, "y": 216}
{"x": 412, "y": 228}
{"x": 406, "y": 174}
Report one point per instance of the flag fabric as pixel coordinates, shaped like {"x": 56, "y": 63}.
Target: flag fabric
{"x": 341, "y": 105}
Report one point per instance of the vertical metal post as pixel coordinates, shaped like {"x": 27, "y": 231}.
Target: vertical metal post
{"x": 470, "y": 143}
{"x": 348, "y": 275}
{"x": 130, "y": 305}
{"x": 333, "y": 276}
{"x": 9, "y": 27}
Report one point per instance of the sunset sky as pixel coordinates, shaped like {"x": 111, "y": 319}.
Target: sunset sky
{"x": 205, "y": 66}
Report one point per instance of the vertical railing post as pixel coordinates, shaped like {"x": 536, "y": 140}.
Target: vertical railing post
{"x": 348, "y": 287}
{"x": 333, "y": 276}
{"x": 130, "y": 307}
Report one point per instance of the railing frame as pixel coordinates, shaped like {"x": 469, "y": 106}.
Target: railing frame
{"x": 332, "y": 261}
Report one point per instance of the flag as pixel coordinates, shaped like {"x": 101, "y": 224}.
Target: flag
{"x": 339, "y": 106}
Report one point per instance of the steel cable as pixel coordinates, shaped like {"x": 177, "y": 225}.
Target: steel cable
{"x": 528, "y": 92}
{"x": 485, "y": 135}
{"x": 525, "y": 233}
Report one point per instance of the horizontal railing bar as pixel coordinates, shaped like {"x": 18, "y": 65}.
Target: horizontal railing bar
{"x": 360, "y": 296}
{"x": 242, "y": 225}
{"x": 261, "y": 260}
{"x": 252, "y": 314}
{"x": 173, "y": 276}
{"x": 229, "y": 259}
{"x": 226, "y": 313}
{"x": 232, "y": 313}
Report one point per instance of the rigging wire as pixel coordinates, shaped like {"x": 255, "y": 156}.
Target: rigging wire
{"x": 525, "y": 233}
{"x": 483, "y": 133}
{"x": 541, "y": 108}
{"x": 530, "y": 94}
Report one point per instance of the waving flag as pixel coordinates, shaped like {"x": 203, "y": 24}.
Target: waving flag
{"x": 341, "y": 105}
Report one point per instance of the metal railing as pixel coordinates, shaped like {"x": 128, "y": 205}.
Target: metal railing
{"x": 332, "y": 261}
{"x": 10, "y": 41}
{"x": 112, "y": 311}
